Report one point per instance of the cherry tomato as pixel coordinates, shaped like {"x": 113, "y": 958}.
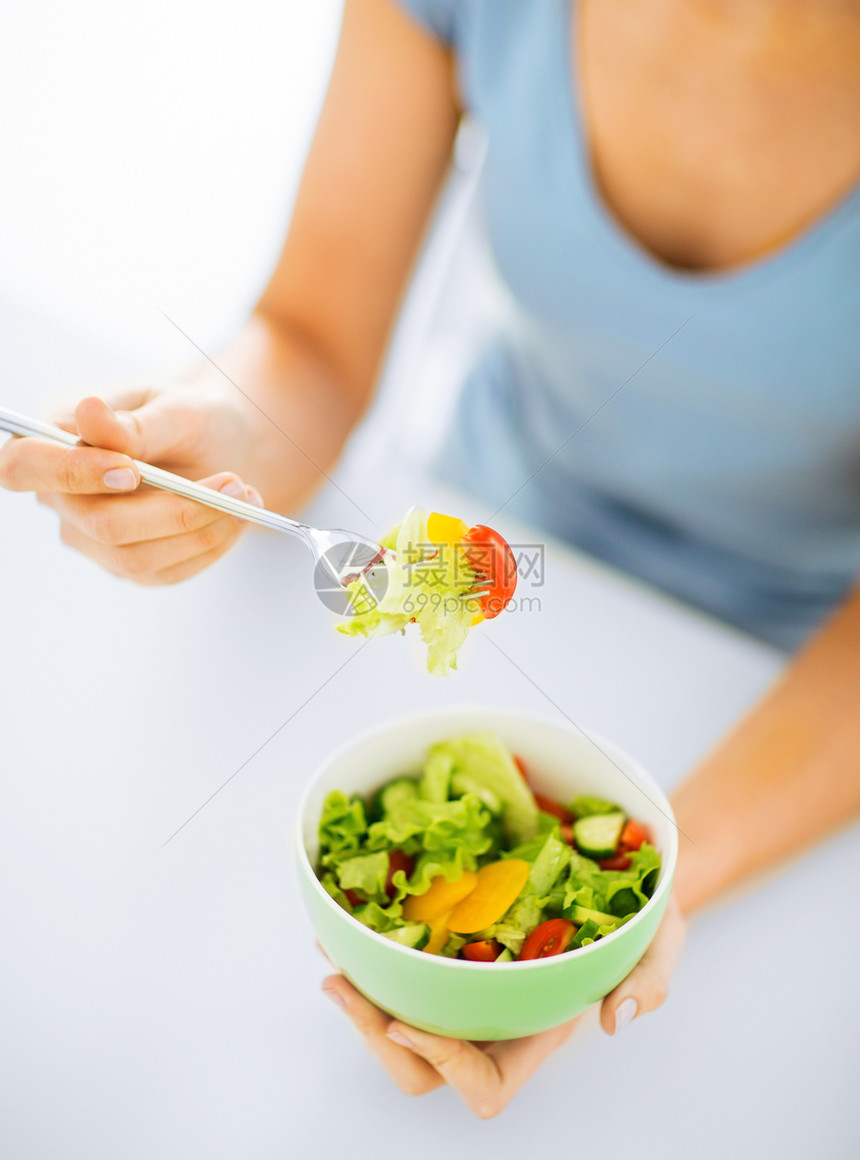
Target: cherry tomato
{"x": 619, "y": 861}
{"x": 485, "y": 951}
{"x": 353, "y": 899}
{"x": 493, "y": 561}
{"x": 397, "y": 860}
{"x": 550, "y": 938}
{"x": 522, "y": 767}
{"x": 567, "y": 832}
{"x": 632, "y": 836}
{"x": 551, "y": 806}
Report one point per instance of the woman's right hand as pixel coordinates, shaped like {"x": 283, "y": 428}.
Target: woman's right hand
{"x": 133, "y": 530}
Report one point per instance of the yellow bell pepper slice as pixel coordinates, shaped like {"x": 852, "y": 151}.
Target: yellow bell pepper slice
{"x": 442, "y": 529}
{"x": 498, "y": 885}
{"x": 440, "y": 898}
{"x": 439, "y": 933}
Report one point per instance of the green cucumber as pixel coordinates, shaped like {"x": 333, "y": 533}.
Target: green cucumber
{"x": 505, "y": 956}
{"x": 596, "y": 835}
{"x": 402, "y": 789}
{"x": 414, "y": 934}
{"x": 579, "y": 915}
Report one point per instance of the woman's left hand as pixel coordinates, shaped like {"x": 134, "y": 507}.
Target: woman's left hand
{"x": 488, "y": 1075}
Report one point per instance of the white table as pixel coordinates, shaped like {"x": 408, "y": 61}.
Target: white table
{"x": 164, "y": 1003}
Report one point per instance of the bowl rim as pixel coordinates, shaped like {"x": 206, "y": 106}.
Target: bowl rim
{"x": 668, "y": 857}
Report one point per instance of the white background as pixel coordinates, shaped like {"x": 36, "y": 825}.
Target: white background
{"x": 150, "y": 153}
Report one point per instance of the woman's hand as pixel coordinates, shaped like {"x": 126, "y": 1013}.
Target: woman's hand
{"x": 488, "y": 1075}
{"x": 138, "y": 532}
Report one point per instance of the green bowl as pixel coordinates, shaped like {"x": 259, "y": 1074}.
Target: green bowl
{"x": 485, "y": 1000}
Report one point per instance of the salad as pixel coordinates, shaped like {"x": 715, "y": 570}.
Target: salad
{"x": 445, "y": 577}
{"x": 465, "y": 859}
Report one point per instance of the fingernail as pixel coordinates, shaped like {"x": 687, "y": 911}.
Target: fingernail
{"x": 233, "y": 488}
{"x": 120, "y": 479}
{"x": 398, "y": 1037}
{"x": 625, "y": 1013}
{"x": 254, "y": 497}
{"x": 335, "y": 997}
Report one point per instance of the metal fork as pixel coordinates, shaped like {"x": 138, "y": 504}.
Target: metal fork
{"x": 343, "y": 556}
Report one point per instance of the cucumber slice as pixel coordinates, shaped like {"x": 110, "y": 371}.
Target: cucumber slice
{"x": 414, "y": 934}
{"x": 505, "y": 956}
{"x": 579, "y": 915}
{"x": 596, "y": 835}
{"x": 402, "y": 789}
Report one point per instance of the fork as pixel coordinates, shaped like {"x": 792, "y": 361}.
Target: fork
{"x": 343, "y": 556}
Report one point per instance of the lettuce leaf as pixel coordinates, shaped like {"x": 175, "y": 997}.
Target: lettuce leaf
{"x": 343, "y": 824}
{"x": 548, "y": 865}
{"x": 440, "y": 827}
{"x": 427, "y": 586}
{"x": 486, "y": 762}
{"x": 379, "y": 919}
{"x": 435, "y": 781}
{"x": 365, "y": 872}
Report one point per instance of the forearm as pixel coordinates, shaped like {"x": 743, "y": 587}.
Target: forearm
{"x": 292, "y": 406}
{"x": 788, "y": 775}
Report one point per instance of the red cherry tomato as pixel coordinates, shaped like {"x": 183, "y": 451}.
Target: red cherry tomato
{"x": 632, "y": 836}
{"x": 550, "y": 938}
{"x": 618, "y": 861}
{"x": 485, "y": 951}
{"x": 353, "y": 899}
{"x": 567, "y": 832}
{"x": 551, "y": 806}
{"x": 493, "y": 561}
{"x": 397, "y": 860}
{"x": 522, "y": 767}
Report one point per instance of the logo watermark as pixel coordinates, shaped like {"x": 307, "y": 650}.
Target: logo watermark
{"x": 429, "y": 573}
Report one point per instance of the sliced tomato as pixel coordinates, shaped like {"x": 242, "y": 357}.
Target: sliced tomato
{"x": 550, "y": 938}
{"x": 632, "y": 836}
{"x": 397, "y": 860}
{"x": 522, "y": 767}
{"x": 551, "y": 806}
{"x": 353, "y": 899}
{"x": 567, "y": 832}
{"x": 496, "y": 568}
{"x": 618, "y": 861}
{"x": 485, "y": 951}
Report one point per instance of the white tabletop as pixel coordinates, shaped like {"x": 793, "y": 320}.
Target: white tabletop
{"x": 164, "y": 1002}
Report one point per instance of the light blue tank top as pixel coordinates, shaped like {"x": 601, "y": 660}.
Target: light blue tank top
{"x": 727, "y": 470}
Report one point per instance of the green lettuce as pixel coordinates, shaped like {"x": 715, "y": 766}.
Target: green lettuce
{"x": 342, "y": 827}
{"x": 365, "y": 872}
{"x": 485, "y": 761}
{"x": 428, "y": 586}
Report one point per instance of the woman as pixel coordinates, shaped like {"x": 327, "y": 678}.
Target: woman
{"x": 672, "y": 202}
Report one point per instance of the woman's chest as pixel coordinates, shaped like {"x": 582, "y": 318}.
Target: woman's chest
{"x": 712, "y": 140}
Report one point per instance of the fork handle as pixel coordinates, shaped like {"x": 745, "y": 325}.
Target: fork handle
{"x": 18, "y": 424}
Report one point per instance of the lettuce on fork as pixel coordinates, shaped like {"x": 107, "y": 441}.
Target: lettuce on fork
{"x": 428, "y": 587}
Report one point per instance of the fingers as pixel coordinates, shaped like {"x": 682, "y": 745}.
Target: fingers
{"x": 159, "y": 561}
{"x": 486, "y": 1080}
{"x": 148, "y": 514}
{"x": 411, "y": 1074}
{"x": 181, "y": 538}
{"x": 647, "y": 985}
{"x": 39, "y": 465}
{"x": 147, "y": 431}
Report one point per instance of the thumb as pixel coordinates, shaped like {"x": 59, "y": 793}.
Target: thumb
{"x": 146, "y": 432}
{"x": 647, "y": 985}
